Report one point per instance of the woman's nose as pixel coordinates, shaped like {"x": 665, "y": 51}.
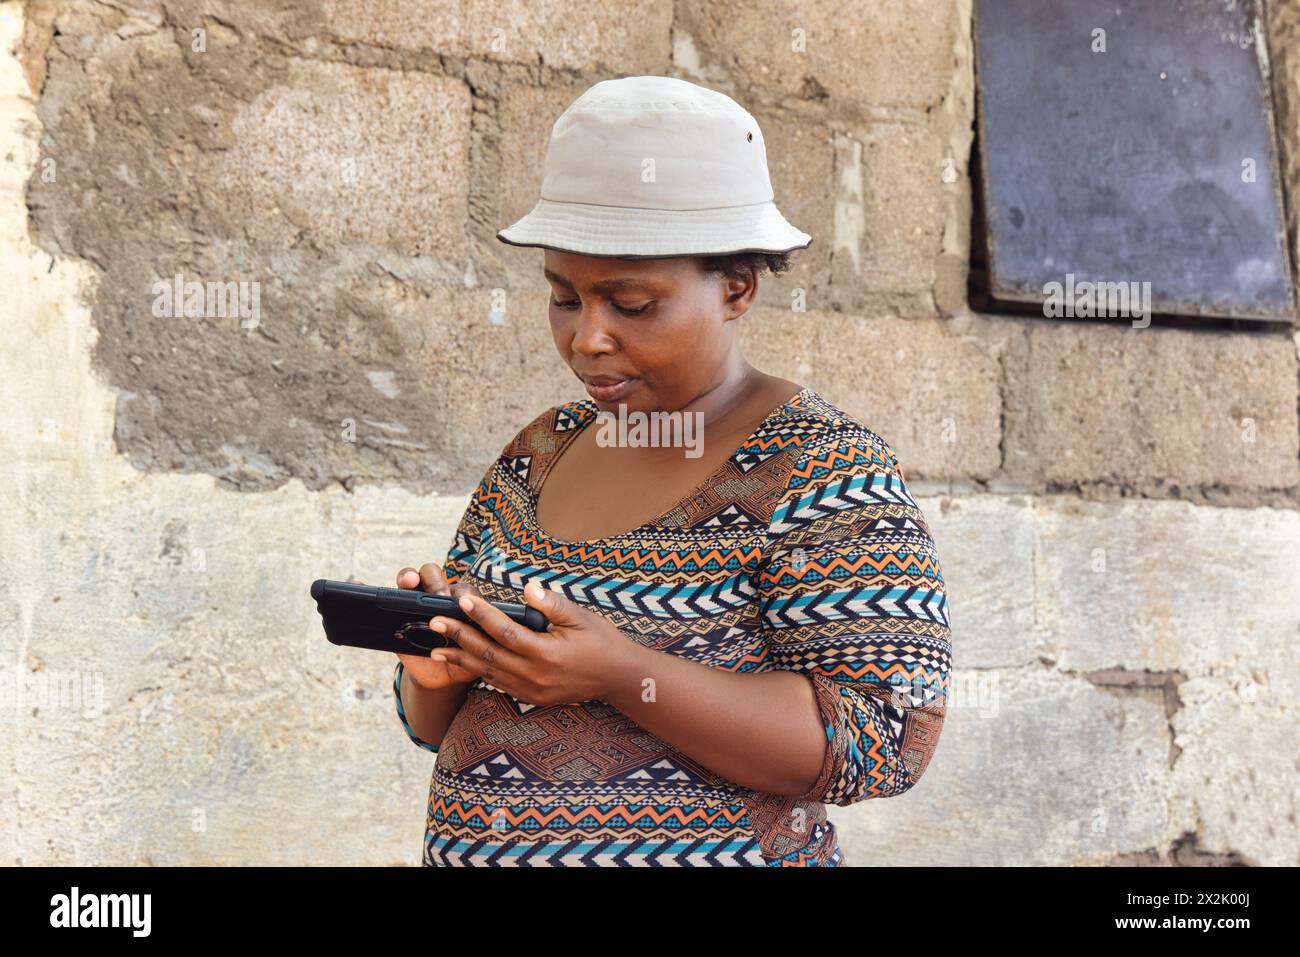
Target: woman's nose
{"x": 591, "y": 335}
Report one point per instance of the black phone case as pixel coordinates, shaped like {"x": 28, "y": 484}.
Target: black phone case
{"x": 396, "y": 619}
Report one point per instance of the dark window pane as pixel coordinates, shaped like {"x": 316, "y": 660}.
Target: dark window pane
{"x": 1134, "y": 164}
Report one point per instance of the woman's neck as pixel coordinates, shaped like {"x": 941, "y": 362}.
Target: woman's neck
{"x": 738, "y": 393}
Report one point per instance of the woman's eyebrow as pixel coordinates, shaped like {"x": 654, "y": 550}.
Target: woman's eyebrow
{"x": 605, "y": 285}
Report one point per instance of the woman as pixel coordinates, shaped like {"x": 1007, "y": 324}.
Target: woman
{"x": 734, "y": 641}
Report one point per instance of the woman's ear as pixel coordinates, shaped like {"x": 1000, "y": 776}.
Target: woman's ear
{"x": 740, "y": 292}
{"x": 741, "y": 286}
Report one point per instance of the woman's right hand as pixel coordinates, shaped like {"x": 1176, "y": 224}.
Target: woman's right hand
{"x": 424, "y": 671}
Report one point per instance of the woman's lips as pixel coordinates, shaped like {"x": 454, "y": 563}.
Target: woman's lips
{"x": 608, "y": 389}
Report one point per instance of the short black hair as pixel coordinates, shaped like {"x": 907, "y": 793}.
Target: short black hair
{"x": 739, "y": 264}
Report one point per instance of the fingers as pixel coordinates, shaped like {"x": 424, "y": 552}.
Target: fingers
{"x": 433, "y": 579}
{"x": 463, "y": 588}
{"x": 461, "y": 659}
{"x": 557, "y": 608}
{"x": 474, "y": 651}
{"x": 500, "y": 626}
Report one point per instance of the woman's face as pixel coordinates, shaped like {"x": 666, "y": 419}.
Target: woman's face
{"x": 651, "y": 334}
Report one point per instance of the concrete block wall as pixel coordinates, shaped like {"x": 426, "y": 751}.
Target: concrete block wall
{"x": 1118, "y": 510}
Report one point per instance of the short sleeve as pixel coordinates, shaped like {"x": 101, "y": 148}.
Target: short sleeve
{"x": 851, "y": 594}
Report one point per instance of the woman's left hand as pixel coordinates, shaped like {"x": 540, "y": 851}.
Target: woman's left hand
{"x": 576, "y": 660}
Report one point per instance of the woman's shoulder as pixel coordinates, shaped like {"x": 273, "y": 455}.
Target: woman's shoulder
{"x": 529, "y": 452}
{"x": 831, "y": 442}
{"x": 841, "y": 474}
{"x": 546, "y": 428}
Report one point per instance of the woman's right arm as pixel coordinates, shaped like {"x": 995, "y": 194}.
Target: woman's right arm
{"x": 429, "y": 693}
{"x": 429, "y": 711}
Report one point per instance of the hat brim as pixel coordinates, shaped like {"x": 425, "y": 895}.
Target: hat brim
{"x": 621, "y": 232}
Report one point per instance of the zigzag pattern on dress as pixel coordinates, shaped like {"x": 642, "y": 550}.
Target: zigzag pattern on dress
{"x": 804, "y": 551}
{"x": 443, "y": 851}
{"x": 663, "y": 813}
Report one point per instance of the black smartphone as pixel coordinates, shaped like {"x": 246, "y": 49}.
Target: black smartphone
{"x": 397, "y": 619}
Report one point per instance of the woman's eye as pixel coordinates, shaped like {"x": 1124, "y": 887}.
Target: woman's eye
{"x": 633, "y": 310}
{"x": 570, "y": 304}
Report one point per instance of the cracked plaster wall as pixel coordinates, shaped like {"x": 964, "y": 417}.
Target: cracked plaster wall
{"x": 1124, "y": 569}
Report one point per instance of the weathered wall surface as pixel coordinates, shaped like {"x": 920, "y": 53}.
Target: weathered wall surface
{"x": 1118, "y": 510}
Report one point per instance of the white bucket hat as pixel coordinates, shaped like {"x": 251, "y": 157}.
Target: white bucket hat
{"x": 652, "y": 166}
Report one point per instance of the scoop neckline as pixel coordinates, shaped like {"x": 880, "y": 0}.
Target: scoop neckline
{"x": 535, "y": 495}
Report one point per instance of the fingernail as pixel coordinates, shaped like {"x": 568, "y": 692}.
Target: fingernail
{"x": 466, "y": 602}
{"x": 437, "y": 657}
{"x": 437, "y": 624}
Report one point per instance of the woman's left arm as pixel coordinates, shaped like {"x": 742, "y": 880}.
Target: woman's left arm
{"x": 760, "y": 731}
{"x": 854, "y": 616}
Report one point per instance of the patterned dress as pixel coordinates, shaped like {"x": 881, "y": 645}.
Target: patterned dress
{"x": 804, "y": 551}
